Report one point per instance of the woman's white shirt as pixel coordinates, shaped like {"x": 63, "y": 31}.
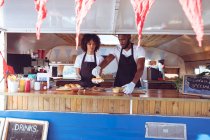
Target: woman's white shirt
{"x": 138, "y": 52}
{"x": 88, "y": 58}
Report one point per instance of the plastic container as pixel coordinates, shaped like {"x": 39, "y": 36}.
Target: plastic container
{"x": 13, "y": 85}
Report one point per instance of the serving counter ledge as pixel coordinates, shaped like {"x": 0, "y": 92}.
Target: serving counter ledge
{"x": 153, "y": 102}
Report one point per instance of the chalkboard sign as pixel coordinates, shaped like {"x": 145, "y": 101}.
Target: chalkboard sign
{"x": 198, "y": 85}
{"x": 1, "y": 126}
{"x": 22, "y": 129}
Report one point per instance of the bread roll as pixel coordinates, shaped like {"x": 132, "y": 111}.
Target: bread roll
{"x": 67, "y": 86}
{"x": 117, "y": 89}
{"x": 97, "y": 80}
{"x": 77, "y": 85}
{"x": 73, "y": 86}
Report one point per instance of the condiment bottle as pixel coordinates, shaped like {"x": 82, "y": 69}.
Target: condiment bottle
{"x": 27, "y": 85}
{"x": 22, "y": 85}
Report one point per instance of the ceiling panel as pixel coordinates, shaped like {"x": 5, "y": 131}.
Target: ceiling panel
{"x": 185, "y": 45}
{"x": 165, "y": 17}
{"x": 104, "y": 17}
{"x": 154, "y": 40}
{"x": 166, "y": 26}
{"x": 21, "y": 16}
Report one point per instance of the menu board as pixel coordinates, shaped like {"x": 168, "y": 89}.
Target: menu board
{"x": 22, "y": 129}
{"x": 199, "y": 85}
{"x": 1, "y": 126}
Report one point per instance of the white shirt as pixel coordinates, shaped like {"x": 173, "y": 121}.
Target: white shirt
{"x": 138, "y": 52}
{"x": 88, "y": 58}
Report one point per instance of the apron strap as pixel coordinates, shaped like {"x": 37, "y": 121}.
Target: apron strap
{"x": 95, "y": 59}
{"x": 132, "y": 50}
{"x": 84, "y": 58}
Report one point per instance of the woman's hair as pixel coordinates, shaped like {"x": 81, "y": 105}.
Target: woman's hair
{"x": 88, "y": 37}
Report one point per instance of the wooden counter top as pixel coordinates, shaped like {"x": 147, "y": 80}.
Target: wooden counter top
{"x": 151, "y": 93}
{"x": 153, "y": 102}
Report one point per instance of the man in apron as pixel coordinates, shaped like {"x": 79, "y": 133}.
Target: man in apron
{"x": 130, "y": 60}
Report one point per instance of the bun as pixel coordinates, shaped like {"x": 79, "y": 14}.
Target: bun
{"x": 97, "y": 80}
{"x": 73, "y": 86}
{"x": 77, "y": 85}
{"x": 67, "y": 86}
{"x": 117, "y": 89}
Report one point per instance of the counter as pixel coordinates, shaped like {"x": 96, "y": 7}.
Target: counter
{"x": 153, "y": 102}
{"x": 155, "y": 84}
{"x": 62, "y": 82}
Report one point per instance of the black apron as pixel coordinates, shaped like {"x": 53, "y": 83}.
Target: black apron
{"x": 86, "y": 72}
{"x": 126, "y": 70}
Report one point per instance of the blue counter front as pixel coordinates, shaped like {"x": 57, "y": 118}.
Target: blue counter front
{"x": 81, "y": 126}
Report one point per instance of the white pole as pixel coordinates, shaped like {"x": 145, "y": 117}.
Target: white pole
{"x": 3, "y": 49}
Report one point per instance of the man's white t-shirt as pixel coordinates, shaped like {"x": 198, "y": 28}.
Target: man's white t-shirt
{"x": 138, "y": 52}
{"x": 88, "y": 58}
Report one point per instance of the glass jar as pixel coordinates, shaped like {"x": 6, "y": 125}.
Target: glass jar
{"x": 43, "y": 85}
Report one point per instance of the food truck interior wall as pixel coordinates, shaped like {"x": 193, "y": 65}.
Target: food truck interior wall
{"x": 61, "y": 48}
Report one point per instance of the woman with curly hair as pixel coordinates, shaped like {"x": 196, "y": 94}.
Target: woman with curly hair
{"x": 89, "y": 59}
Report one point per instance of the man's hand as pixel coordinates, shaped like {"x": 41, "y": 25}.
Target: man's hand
{"x": 96, "y": 71}
{"x": 128, "y": 88}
